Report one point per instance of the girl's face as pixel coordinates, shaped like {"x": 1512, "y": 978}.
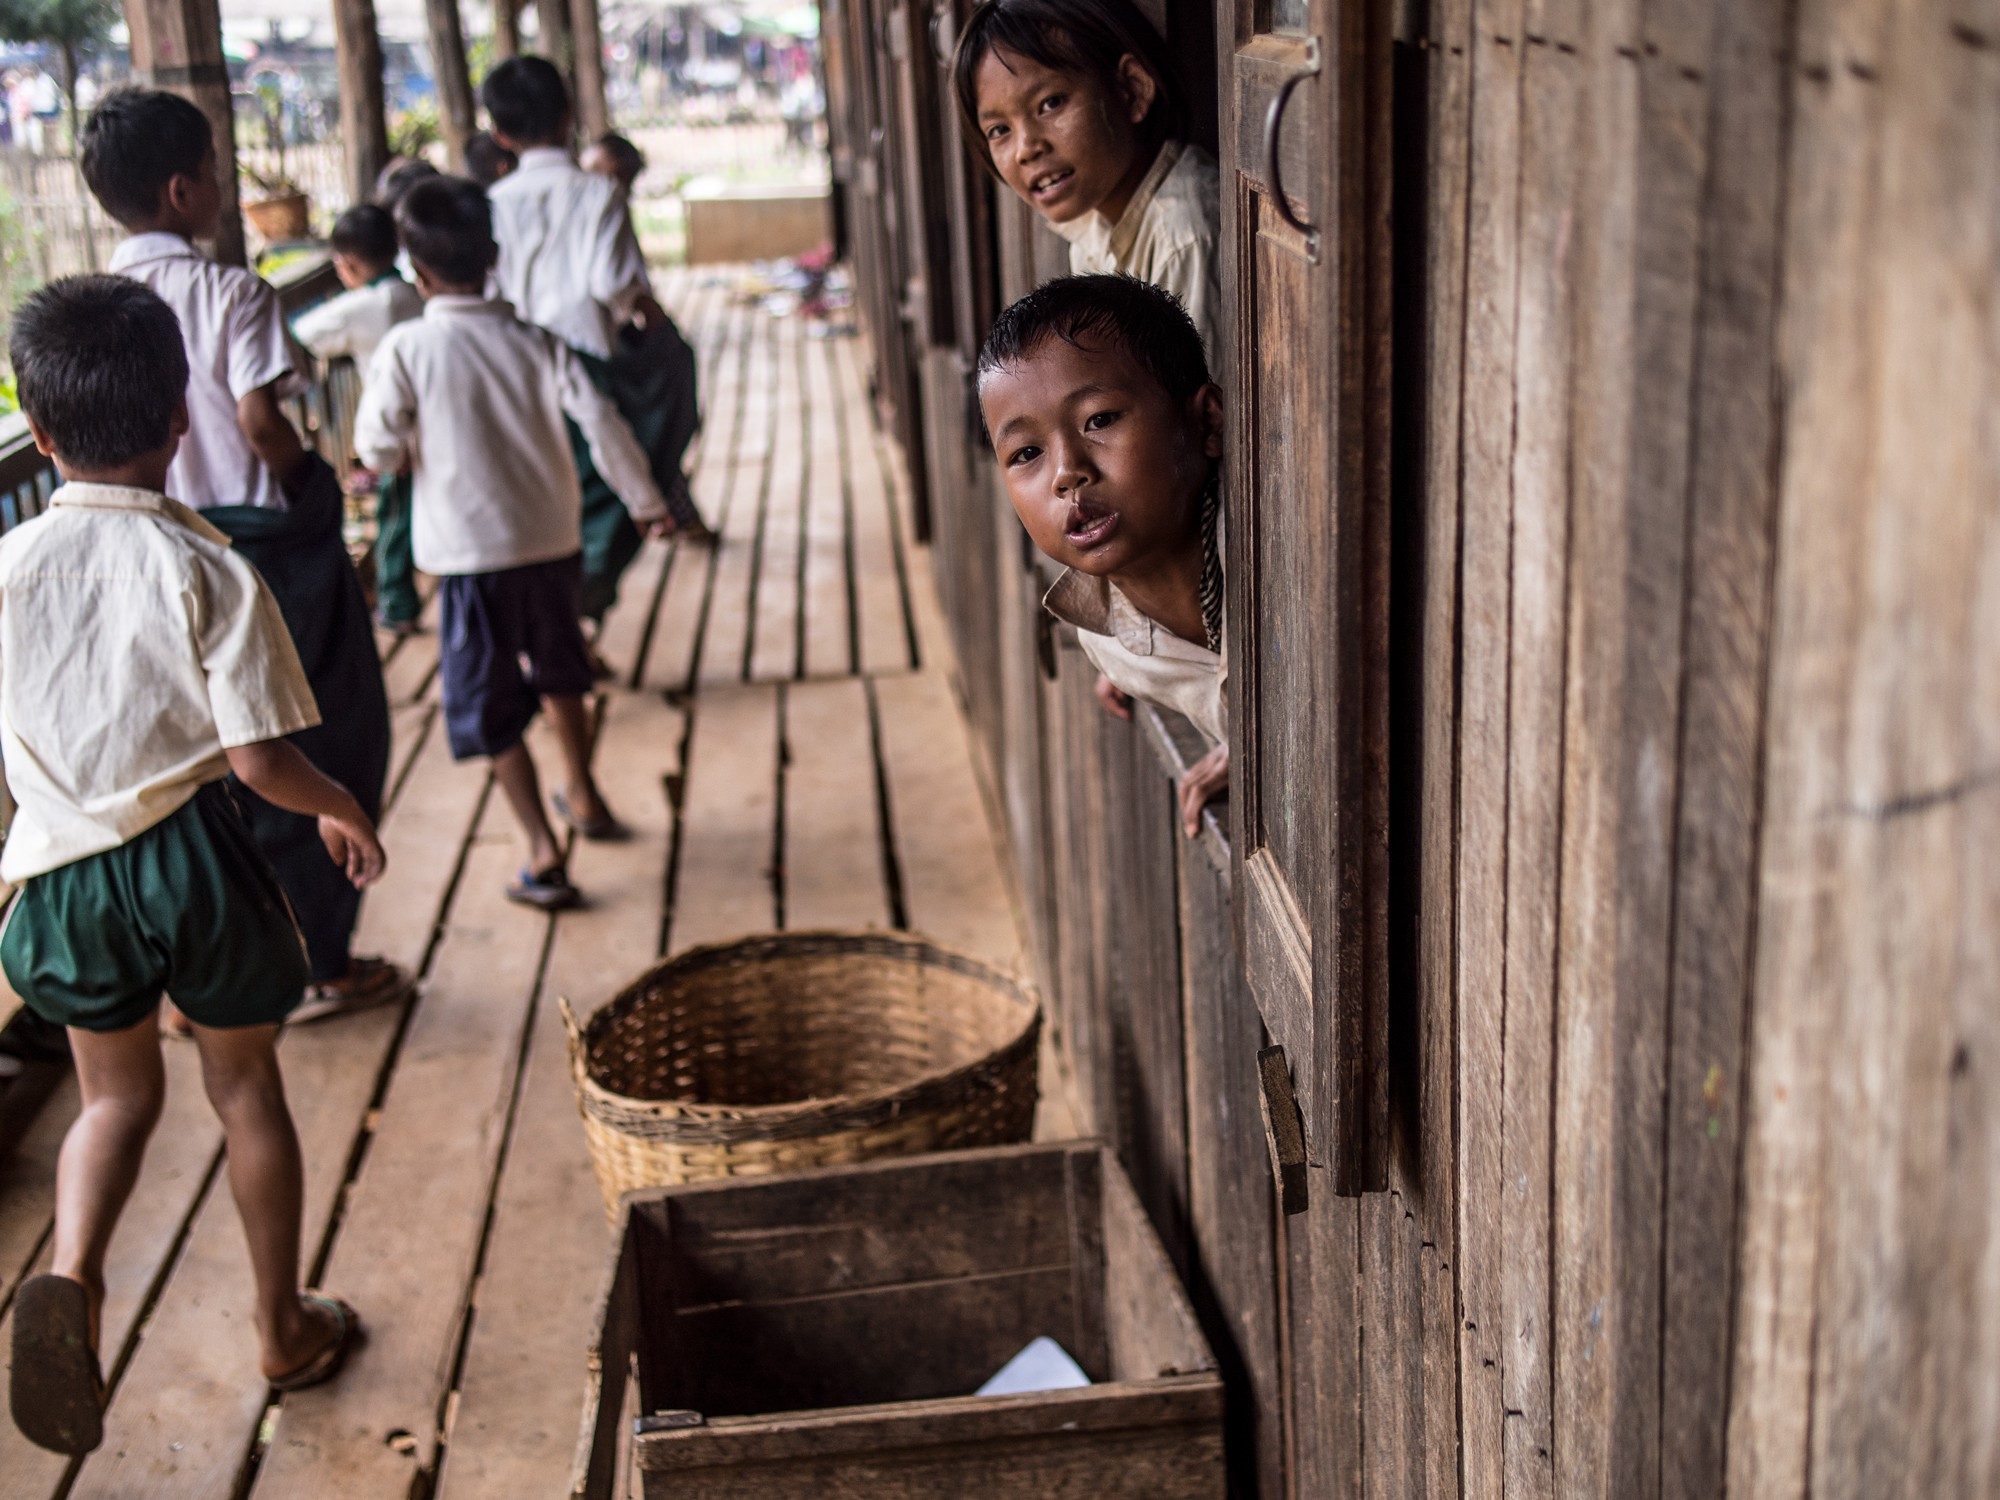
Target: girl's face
{"x": 1066, "y": 142}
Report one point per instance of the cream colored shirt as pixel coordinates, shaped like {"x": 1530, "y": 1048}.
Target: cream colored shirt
{"x": 236, "y": 343}
{"x": 1166, "y": 235}
{"x": 569, "y": 260}
{"x": 472, "y": 399}
{"x": 355, "y": 323}
{"x": 135, "y": 646}
{"x": 1140, "y": 655}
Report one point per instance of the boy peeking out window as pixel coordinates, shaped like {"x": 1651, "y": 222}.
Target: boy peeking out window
{"x": 1109, "y": 436}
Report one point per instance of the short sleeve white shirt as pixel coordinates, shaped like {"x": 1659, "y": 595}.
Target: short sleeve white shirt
{"x": 473, "y": 400}
{"x": 135, "y": 646}
{"x": 569, "y": 261}
{"x": 237, "y": 343}
{"x": 1140, "y": 655}
{"x": 1167, "y": 235}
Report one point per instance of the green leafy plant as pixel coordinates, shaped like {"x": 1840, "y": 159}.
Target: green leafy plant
{"x": 415, "y": 130}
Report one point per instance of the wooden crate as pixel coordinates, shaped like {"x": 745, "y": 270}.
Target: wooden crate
{"x": 821, "y": 1334}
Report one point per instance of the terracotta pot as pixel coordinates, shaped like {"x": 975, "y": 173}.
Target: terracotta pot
{"x": 282, "y": 218}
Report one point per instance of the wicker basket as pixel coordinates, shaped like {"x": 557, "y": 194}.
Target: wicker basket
{"x": 801, "y": 1049}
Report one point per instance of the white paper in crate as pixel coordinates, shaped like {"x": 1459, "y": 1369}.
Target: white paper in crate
{"x": 1043, "y": 1366}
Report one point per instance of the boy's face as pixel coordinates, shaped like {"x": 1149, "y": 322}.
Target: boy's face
{"x": 1061, "y": 140}
{"x": 352, "y": 273}
{"x": 1104, "y": 468}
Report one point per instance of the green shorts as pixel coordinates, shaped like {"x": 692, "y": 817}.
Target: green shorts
{"x": 189, "y": 908}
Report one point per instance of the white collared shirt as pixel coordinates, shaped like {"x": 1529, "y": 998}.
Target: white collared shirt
{"x": 135, "y": 646}
{"x": 1166, "y": 235}
{"x": 1140, "y": 655}
{"x": 569, "y": 260}
{"x": 355, "y": 322}
{"x": 236, "y": 343}
{"x": 473, "y": 399}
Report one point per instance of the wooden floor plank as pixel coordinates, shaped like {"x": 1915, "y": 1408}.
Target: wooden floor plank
{"x": 833, "y": 828}
{"x": 184, "y": 1148}
{"x": 522, "y": 1383}
{"x": 826, "y": 599}
{"x": 882, "y": 628}
{"x": 677, "y": 628}
{"x": 416, "y": 1214}
{"x": 28, "y": 1186}
{"x": 725, "y": 886}
{"x": 192, "y": 1398}
{"x": 725, "y": 634}
{"x": 953, "y": 889}
{"x": 774, "y": 638}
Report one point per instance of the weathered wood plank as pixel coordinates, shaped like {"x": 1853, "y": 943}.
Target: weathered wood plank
{"x": 828, "y": 601}
{"x": 774, "y": 639}
{"x": 184, "y": 1151}
{"x": 28, "y": 1185}
{"x": 725, "y": 635}
{"x": 1732, "y": 500}
{"x": 515, "y": 1426}
{"x": 953, "y": 890}
{"x": 833, "y": 817}
{"x": 882, "y": 625}
{"x": 1486, "y": 524}
{"x": 726, "y": 883}
{"x": 437, "y": 1144}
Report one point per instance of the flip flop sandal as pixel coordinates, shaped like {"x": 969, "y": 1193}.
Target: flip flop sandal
{"x": 57, "y": 1393}
{"x": 548, "y": 891}
{"x": 602, "y": 829}
{"x": 323, "y": 1366}
{"x": 379, "y": 983}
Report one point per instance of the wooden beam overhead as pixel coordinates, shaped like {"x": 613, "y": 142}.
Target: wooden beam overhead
{"x": 456, "y": 109}
{"x": 364, "y": 126}
{"x": 177, "y": 45}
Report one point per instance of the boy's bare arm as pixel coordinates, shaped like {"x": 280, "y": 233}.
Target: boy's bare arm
{"x": 270, "y": 433}
{"x": 277, "y": 772}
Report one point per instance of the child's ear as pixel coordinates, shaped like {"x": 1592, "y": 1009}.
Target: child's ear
{"x": 1208, "y": 412}
{"x": 44, "y": 444}
{"x": 1138, "y": 87}
{"x": 178, "y": 423}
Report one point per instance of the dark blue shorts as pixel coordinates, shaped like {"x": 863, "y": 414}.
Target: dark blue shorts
{"x": 506, "y": 641}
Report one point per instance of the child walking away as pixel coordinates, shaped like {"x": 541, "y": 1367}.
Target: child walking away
{"x": 570, "y": 263}
{"x": 149, "y": 159}
{"x": 136, "y": 872}
{"x": 377, "y": 299}
{"x": 1073, "y": 104}
{"x": 486, "y": 160}
{"x": 654, "y": 372}
{"x": 473, "y": 401}
{"x": 1108, "y": 432}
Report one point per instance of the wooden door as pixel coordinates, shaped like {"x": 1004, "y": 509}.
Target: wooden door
{"x": 1305, "y": 228}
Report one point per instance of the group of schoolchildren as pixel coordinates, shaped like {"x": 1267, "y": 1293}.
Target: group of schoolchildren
{"x": 192, "y": 715}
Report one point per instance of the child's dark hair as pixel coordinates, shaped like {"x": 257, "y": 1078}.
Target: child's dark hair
{"x": 527, "y": 100}
{"x": 486, "y": 160}
{"x": 447, "y": 226}
{"x": 400, "y": 175}
{"x": 1077, "y": 36}
{"x": 136, "y": 142}
{"x": 1146, "y": 321}
{"x": 366, "y": 233}
{"x": 626, "y": 157}
{"x": 100, "y": 367}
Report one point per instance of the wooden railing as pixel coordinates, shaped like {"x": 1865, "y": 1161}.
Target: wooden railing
{"x": 324, "y": 413}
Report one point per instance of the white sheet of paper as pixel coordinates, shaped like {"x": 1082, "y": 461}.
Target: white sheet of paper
{"x": 1043, "y": 1366}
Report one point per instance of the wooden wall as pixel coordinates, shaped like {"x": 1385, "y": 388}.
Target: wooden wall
{"x": 1695, "y": 750}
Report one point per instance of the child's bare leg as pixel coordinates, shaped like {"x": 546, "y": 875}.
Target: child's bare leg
{"x": 514, "y": 769}
{"x": 571, "y": 718}
{"x": 239, "y": 1066}
{"x": 123, "y": 1084}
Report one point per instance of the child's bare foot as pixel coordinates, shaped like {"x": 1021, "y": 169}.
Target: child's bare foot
{"x": 173, "y": 1023}
{"x": 368, "y": 982}
{"x": 321, "y": 1336}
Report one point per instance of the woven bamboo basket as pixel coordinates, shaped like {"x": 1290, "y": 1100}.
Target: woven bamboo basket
{"x": 801, "y": 1049}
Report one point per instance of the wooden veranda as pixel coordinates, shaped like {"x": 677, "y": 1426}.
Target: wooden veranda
{"x": 783, "y": 736}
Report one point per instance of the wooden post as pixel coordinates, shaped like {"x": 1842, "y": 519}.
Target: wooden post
{"x": 506, "y": 30}
{"x": 364, "y": 128}
{"x": 177, "y": 45}
{"x": 454, "y": 83}
{"x": 553, "y": 16}
{"x": 593, "y": 116}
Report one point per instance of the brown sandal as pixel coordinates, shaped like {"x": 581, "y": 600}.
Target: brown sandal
{"x": 57, "y": 1391}
{"x": 326, "y": 1364}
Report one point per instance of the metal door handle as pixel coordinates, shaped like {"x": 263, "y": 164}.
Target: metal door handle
{"x": 1274, "y": 120}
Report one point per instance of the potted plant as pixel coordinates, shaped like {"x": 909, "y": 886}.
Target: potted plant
{"x": 282, "y": 211}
